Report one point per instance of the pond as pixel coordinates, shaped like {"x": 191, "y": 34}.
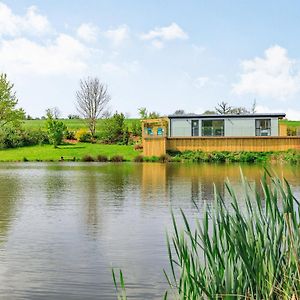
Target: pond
{"x": 64, "y": 226}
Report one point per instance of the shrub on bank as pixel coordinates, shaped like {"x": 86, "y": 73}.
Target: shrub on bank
{"x": 139, "y": 158}
{"x": 102, "y": 158}
{"x": 164, "y": 158}
{"x": 151, "y": 159}
{"x": 12, "y": 137}
{"x": 83, "y": 136}
{"x": 117, "y": 158}
{"x": 226, "y": 156}
{"x": 87, "y": 158}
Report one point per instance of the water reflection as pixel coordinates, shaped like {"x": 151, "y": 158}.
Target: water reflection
{"x": 10, "y": 193}
{"x": 65, "y": 225}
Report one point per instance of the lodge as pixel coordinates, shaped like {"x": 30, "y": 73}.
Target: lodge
{"x": 230, "y": 132}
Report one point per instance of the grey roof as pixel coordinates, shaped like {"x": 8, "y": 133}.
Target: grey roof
{"x": 217, "y": 116}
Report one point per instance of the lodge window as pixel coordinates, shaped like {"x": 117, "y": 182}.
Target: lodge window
{"x": 212, "y": 127}
{"x": 263, "y": 127}
{"x": 195, "y": 127}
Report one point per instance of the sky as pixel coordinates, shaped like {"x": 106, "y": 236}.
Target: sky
{"x": 160, "y": 54}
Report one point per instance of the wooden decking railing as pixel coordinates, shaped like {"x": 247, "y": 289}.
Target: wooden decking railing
{"x": 158, "y": 145}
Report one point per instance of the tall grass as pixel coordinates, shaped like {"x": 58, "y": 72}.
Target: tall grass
{"x": 239, "y": 249}
{"x": 240, "y": 252}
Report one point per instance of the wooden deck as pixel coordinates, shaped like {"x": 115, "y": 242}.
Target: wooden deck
{"x": 156, "y": 146}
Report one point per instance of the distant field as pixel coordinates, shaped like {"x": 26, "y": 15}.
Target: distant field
{"x": 290, "y": 123}
{"x": 77, "y": 124}
{"x": 71, "y": 124}
{"x": 48, "y": 153}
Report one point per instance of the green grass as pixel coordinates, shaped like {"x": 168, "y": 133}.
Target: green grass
{"x": 290, "y": 123}
{"x": 292, "y": 156}
{"x": 73, "y": 124}
{"x": 48, "y": 153}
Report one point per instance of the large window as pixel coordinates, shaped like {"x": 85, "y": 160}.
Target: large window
{"x": 263, "y": 127}
{"x": 212, "y": 127}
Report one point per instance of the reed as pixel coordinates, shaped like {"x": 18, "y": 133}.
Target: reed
{"x": 246, "y": 249}
{"x": 248, "y": 252}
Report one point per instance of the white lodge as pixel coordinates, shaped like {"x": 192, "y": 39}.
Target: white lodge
{"x": 243, "y": 125}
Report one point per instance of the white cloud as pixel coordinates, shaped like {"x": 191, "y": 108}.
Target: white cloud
{"x": 171, "y": 32}
{"x": 161, "y": 34}
{"x": 118, "y": 35}
{"x": 88, "y": 32}
{"x": 275, "y": 76}
{"x": 64, "y": 55}
{"x": 32, "y": 23}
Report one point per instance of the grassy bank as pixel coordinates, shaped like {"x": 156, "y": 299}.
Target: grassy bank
{"x": 292, "y": 156}
{"x": 48, "y": 153}
{"x": 90, "y": 152}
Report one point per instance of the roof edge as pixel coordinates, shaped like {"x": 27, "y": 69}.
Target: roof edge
{"x": 216, "y": 116}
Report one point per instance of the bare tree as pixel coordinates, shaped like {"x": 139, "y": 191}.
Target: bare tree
{"x": 92, "y": 99}
{"x": 253, "y": 108}
{"x": 179, "y": 112}
{"x": 223, "y": 108}
{"x": 239, "y": 110}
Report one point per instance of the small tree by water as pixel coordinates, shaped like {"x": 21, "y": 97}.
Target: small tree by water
{"x": 55, "y": 129}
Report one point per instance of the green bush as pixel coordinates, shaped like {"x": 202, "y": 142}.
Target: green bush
{"x": 151, "y": 159}
{"x": 88, "y": 158}
{"x": 136, "y": 128}
{"x": 55, "y": 128}
{"x": 102, "y": 158}
{"x": 114, "y": 130}
{"x": 139, "y": 158}
{"x": 164, "y": 158}
{"x": 12, "y": 137}
{"x": 117, "y": 158}
{"x": 70, "y": 135}
{"x": 85, "y": 137}
{"x": 222, "y": 156}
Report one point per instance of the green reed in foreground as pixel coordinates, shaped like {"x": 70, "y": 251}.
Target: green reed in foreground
{"x": 240, "y": 253}
{"x": 240, "y": 249}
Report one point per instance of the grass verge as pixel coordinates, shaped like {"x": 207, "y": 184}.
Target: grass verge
{"x": 68, "y": 152}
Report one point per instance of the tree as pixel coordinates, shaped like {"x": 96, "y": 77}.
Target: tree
{"x": 8, "y": 102}
{"x": 179, "y": 112}
{"x": 114, "y": 129}
{"x": 223, "y": 108}
{"x": 73, "y": 117}
{"x": 92, "y": 99}
{"x": 239, "y": 110}
{"x": 209, "y": 112}
{"x": 144, "y": 114}
{"x": 55, "y": 128}
{"x": 253, "y": 108}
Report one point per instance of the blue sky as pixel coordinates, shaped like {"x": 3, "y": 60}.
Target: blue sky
{"x": 163, "y": 55}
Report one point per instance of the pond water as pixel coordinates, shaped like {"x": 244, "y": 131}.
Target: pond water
{"x": 64, "y": 226}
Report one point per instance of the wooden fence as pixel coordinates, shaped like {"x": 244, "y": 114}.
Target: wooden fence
{"x": 159, "y": 145}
